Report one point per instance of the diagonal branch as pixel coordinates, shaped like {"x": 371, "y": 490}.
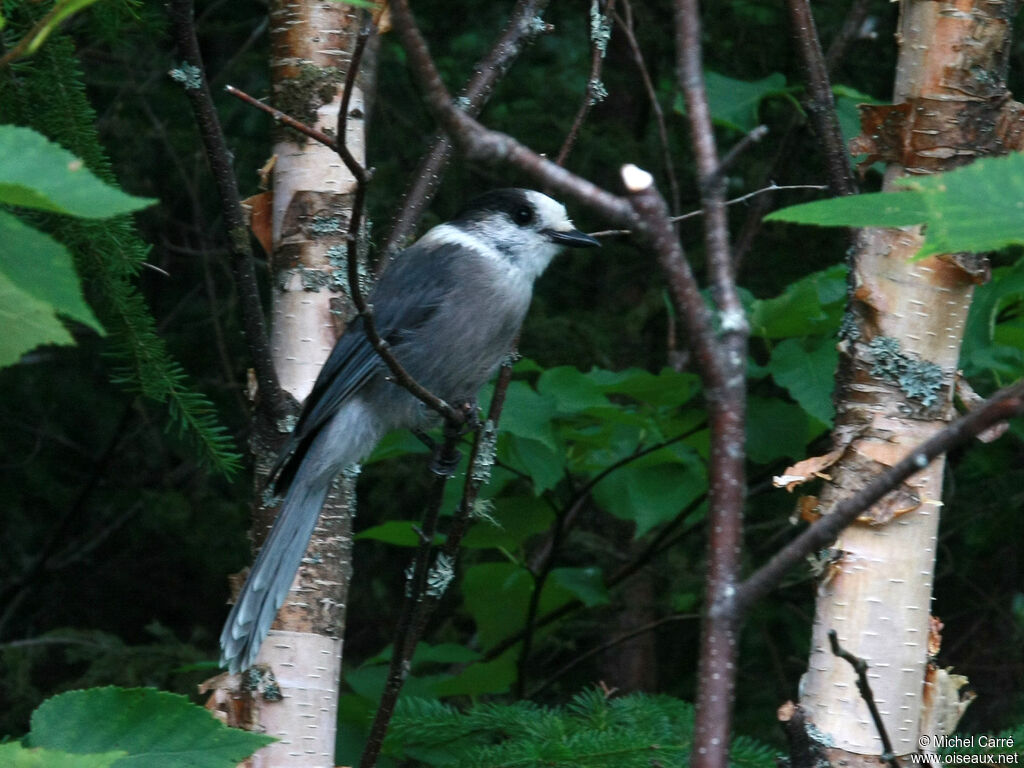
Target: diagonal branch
{"x": 269, "y": 404}
{"x": 524, "y": 24}
{"x": 479, "y": 143}
{"x": 1003, "y": 405}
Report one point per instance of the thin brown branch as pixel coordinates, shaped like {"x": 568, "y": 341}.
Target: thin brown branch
{"x": 820, "y": 102}
{"x": 420, "y": 603}
{"x": 523, "y": 25}
{"x": 409, "y": 626}
{"x": 864, "y": 687}
{"x": 269, "y": 404}
{"x": 599, "y": 37}
{"x": 784, "y": 146}
{"x": 617, "y": 640}
{"x": 850, "y": 30}
{"x": 626, "y": 25}
{"x": 492, "y": 147}
{"x": 1005, "y": 404}
{"x": 284, "y": 119}
{"x": 726, "y": 389}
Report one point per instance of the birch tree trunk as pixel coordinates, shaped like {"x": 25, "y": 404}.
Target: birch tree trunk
{"x": 291, "y": 692}
{"x": 899, "y": 356}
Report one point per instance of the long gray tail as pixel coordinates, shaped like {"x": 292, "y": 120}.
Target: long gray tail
{"x": 272, "y": 574}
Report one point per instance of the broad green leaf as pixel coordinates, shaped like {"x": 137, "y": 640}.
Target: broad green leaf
{"x": 807, "y": 369}
{"x": 586, "y": 584}
{"x": 514, "y": 520}
{"x": 37, "y": 173}
{"x": 734, "y": 103}
{"x": 28, "y": 323}
{"x": 528, "y": 414}
{"x": 37, "y": 281}
{"x": 653, "y": 489}
{"x": 443, "y": 653}
{"x": 543, "y": 465}
{"x": 571, "y": 390}
{"x": 979, "y": 207}
{"x": 14, "y": 755}
{"x": 1006, "y": 285}
{"x": 667, "y": 388}
{"x": 847, "y": 99}
{"x": 495, "y": 676}
{"x": 875, "y": 209}
{"x": 153, "y": 727}
{"x": 497, "y": 596}
{"x": 775, "y": 430}
{"x": 401, "y": 533}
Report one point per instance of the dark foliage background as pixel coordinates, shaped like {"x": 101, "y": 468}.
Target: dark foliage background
{"x": 137, "y": 537}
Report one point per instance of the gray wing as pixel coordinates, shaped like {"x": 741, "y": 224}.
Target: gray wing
{"x": 405, "y": 298}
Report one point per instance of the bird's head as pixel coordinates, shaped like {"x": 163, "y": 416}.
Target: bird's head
{"x": 525, "y": 227}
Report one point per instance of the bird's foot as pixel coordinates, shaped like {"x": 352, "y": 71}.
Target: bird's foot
{"x": 445, "y": 457}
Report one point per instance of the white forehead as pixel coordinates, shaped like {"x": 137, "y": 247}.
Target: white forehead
{"x": 549, "y": 212}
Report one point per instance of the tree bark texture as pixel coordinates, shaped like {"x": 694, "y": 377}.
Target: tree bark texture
{"x": 899, "y": 353}
{"x": 310, "y": 206}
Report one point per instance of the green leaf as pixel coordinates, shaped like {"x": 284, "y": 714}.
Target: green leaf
{"x": 667, "y": 388}
{"x": 1006, "y": 285}
{"x": 571, "y": 390}
{"x": 496, "y": 596}
{"x": 153, "y": 727}
{"x": 653, "y": 489}
{"x": 37, "y": 173}
{"x": 807, "y": 369}
{"x": 586, "y": 584}
{"x": 544, "y": 466}
{"x": 495, "y": 676}
{"x": 847, "y": 111}
{"x": 515, "y": 519}
{"x": 14, "y": 755}
{"x": 979, "y": 207}
{"x": 813, "y": 304}
{"x": 875, "y": 209}
{"x": 734, "y": 103}
{"x": 401, "y": 533}
{"x": 37, "y": 281}
{"x": 528, "y": 414}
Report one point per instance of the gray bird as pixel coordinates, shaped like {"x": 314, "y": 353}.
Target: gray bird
{"x": 450, "y": 307}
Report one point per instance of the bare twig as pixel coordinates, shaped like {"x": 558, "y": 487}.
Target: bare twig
{"x": 848, "y": 32}
{"x": 479, "y": 143}
{"x": 599, "y": 36}
{"x": 730, "y": 157}
{"x": 523, "y": 24}
{"x": 408, "y": 629}
{"x": 270, "y": 402}
{"x": 626, "y": 25}
{"x": 284, "y": 119}
{"x": 772, "y": 187}
{"x": 864, "y": 687}
{"x": 784, "y": 146}
{"x": 820, "y": 102}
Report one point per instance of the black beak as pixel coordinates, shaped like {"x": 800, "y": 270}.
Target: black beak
{"x": 572, "y": 238}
